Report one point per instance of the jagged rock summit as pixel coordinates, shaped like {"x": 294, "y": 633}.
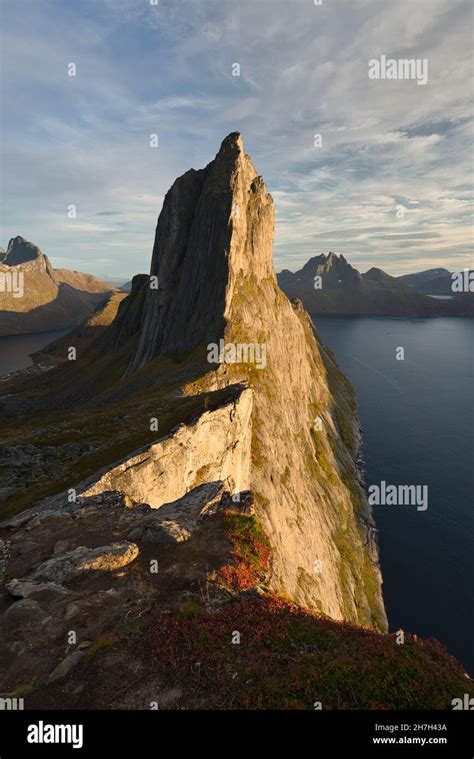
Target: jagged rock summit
{"x": 216, "y": 225}
{"x": 335, "y": 269}
{"x": 20, "y": 251}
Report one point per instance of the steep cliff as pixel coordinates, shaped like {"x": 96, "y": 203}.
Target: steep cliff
{"x": 212, "y": 260}
{"x": 212, "y": 288}
{"x": 205, "y": 242}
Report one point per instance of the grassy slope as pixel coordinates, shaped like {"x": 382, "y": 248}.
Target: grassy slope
{"x": 90, "y": 401}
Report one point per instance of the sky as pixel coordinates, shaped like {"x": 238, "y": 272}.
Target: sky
{"x": 390, "y": 185}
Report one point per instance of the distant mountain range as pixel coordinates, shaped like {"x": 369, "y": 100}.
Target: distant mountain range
{"x": 34, "y": 297}
{"x": 329, "y": 284}
{"x": 430, "y": 281}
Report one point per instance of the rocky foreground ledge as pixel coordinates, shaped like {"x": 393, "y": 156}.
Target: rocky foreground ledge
{"x": 176, "y": 612}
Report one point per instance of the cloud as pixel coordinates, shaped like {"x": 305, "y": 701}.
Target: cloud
{"x": 145, "y": 70}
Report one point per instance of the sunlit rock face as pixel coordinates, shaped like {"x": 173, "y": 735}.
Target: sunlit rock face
{"x": 215, "y": 448}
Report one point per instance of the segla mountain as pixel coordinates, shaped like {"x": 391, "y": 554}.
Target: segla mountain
{"x": 215, "y": 502}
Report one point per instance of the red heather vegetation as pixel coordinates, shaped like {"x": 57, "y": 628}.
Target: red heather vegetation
{"x": 290, "y": 659}
{"x": 250, "y": 552}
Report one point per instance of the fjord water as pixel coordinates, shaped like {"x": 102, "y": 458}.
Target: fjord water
{"x": 15, "y": 349}
{"x": 417, "y": 419}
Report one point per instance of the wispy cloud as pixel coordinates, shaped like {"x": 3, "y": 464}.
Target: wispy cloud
{"x": 167, "y": 69}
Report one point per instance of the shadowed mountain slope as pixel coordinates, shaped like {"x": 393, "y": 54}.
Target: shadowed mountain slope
{"x": 34, "y": 297}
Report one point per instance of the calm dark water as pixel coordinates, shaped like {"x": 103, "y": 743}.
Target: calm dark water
{"x": 15, "y": 349}
{"x": 417, "y": 417}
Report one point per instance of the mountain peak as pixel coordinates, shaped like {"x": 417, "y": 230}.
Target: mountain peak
{"x": 333, "y": 268}
{"x": 215, "y": 228}
{"x": 20, "y": 251}
{"x": 233, "y": 141}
